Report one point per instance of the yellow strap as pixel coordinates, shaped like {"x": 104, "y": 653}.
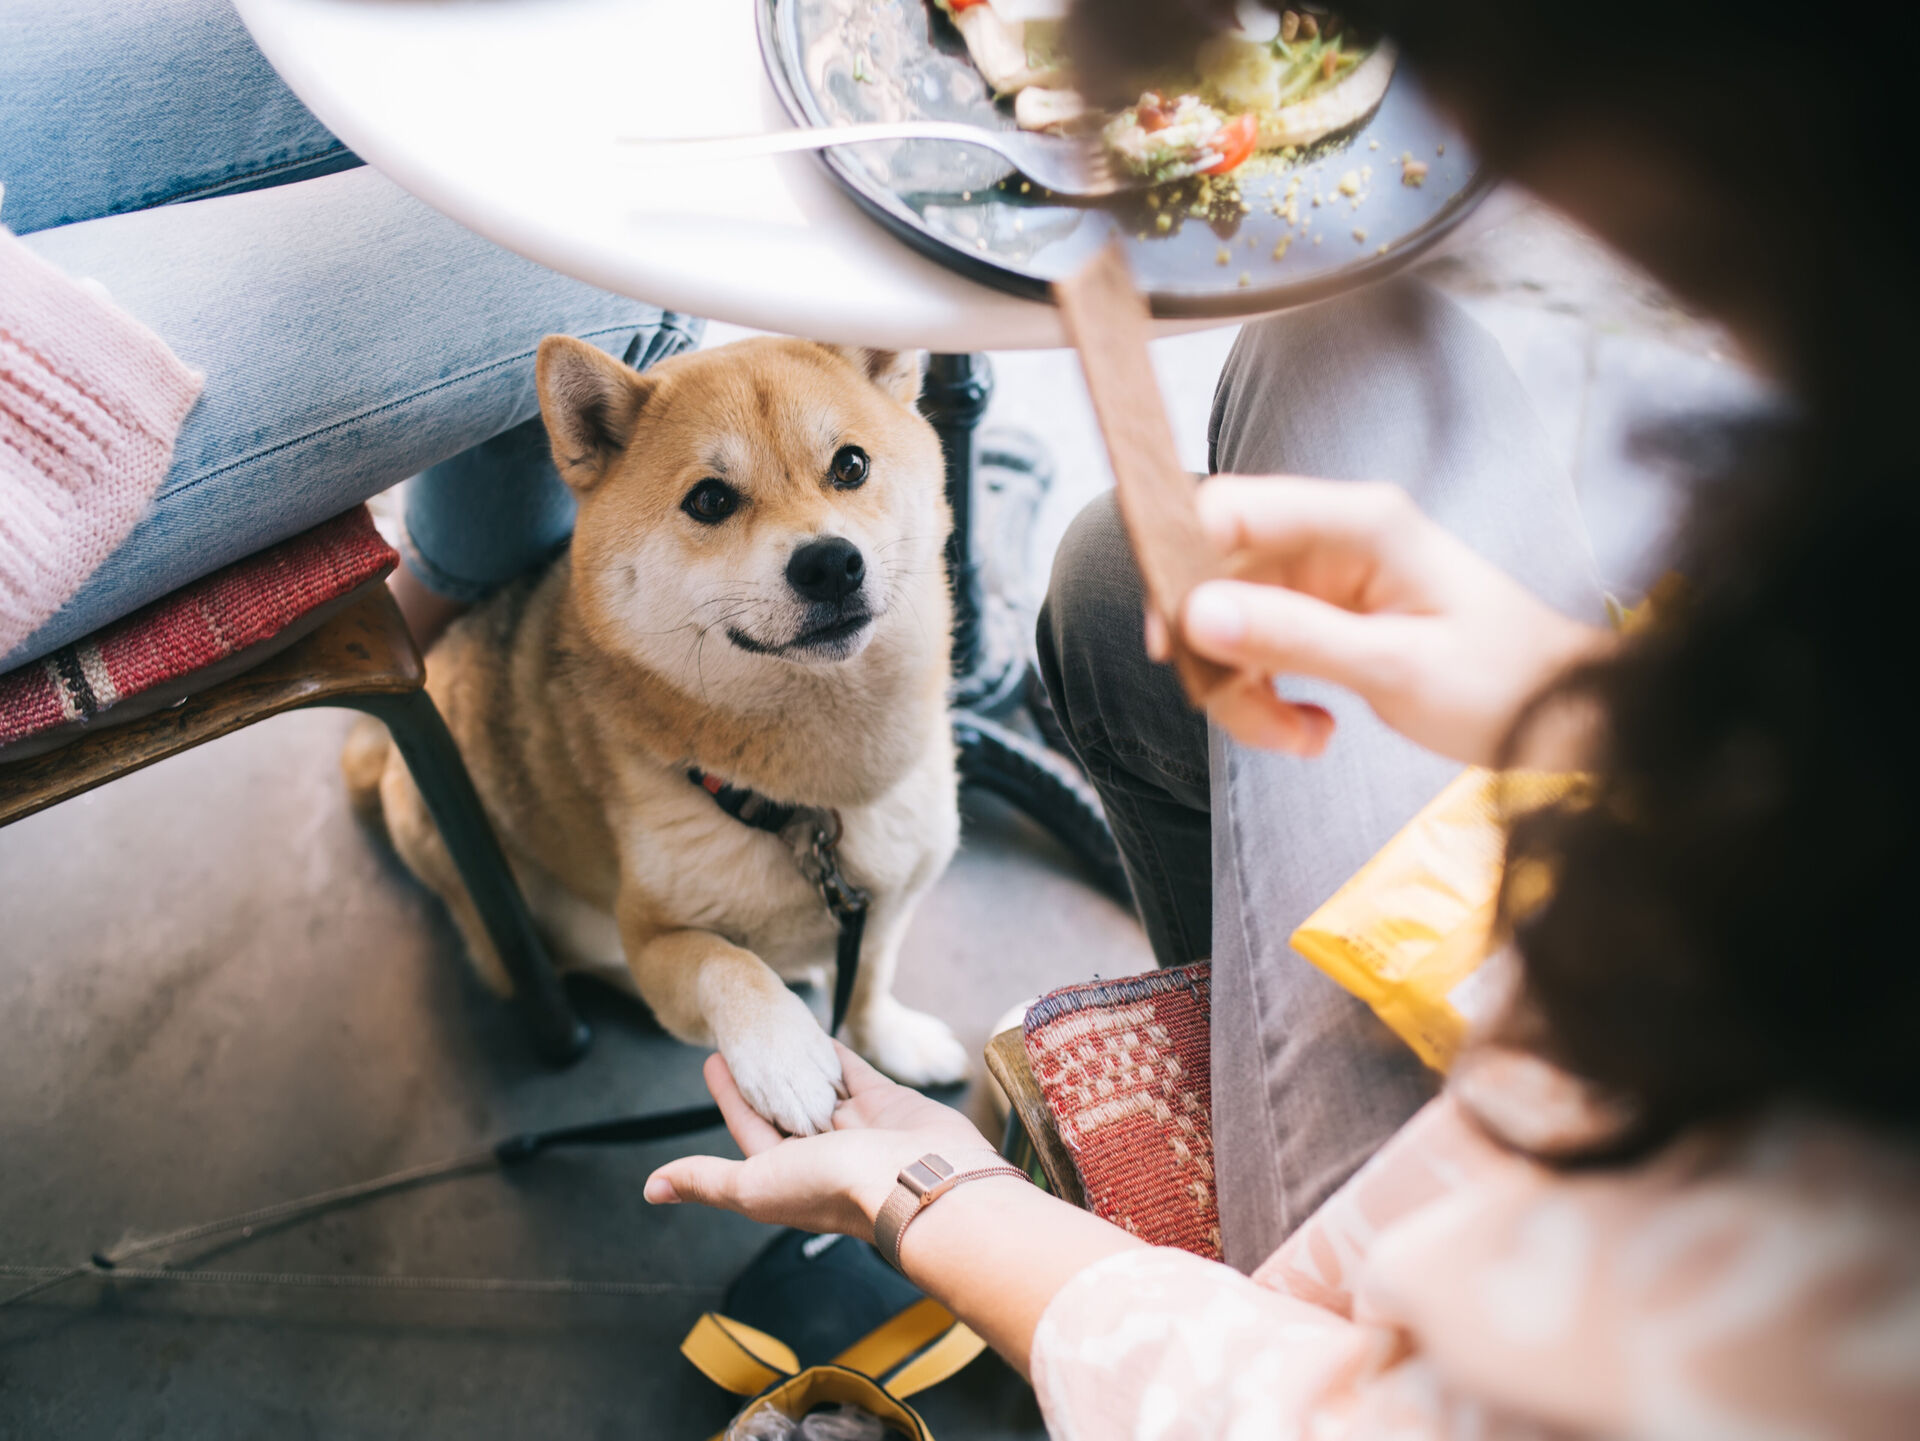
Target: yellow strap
{"x": 737, "y": 1358}
{"x": 939, "y": 1361}
{"x": 887, "y": 1345}
{"x": 923, "y": 1342}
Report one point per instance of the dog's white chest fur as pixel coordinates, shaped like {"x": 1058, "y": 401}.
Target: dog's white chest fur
{"x": 705, "y": 869}
{"x": 717, "y": 873}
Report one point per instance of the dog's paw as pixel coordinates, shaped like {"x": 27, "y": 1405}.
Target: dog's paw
{"x": 786, "y": 1067}
{"x": 911, "y": 1046}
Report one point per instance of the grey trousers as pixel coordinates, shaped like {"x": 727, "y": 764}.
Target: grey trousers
{"x": 1228, "y": 849}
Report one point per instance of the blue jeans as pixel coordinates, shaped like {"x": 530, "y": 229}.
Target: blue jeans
{"x": 350, "y": 336}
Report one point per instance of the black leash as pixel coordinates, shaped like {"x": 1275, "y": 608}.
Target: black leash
{"x": 815, "y": 852}
{"x": 502, "y": 1155}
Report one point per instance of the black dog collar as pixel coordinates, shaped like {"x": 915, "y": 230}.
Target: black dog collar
{"x": 748, "y": 807}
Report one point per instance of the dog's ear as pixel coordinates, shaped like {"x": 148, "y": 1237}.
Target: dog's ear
{"x": 897, "y": 372}
{"x": 591, "y": 403}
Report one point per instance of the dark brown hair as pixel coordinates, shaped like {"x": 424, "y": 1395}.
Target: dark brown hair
{"x": 1732, "y": 915}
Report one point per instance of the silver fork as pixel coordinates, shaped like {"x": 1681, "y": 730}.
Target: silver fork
{"x": 1054, "y": 162}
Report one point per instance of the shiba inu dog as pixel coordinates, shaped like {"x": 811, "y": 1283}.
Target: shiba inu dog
{"x": 755, "y": 592}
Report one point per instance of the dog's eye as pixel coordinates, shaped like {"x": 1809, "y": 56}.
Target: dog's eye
{"x": 711, "y": 501}
{"x": 849, "y": 467}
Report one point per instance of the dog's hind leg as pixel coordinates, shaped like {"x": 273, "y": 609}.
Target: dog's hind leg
{"x": 382, "y": 793}
{"x": 363, "y": 761}
{"x": 421, "y": 846}
{"x": 911, "y": 1046}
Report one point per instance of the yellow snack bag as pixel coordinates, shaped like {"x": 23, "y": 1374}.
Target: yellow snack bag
{"x": 1410, "y": 933}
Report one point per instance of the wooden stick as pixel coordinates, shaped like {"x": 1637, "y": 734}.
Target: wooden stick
{"x": 1106, "y": 317}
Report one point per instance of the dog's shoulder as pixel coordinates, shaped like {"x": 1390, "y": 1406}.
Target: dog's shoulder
{"x": 495, "y": 653}
{"x": 505, "y": 678}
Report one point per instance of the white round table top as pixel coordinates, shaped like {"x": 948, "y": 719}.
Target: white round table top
{"x": 505, "y": 115}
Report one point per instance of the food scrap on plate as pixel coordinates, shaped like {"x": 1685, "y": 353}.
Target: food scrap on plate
{"x": 1279, "y": 81}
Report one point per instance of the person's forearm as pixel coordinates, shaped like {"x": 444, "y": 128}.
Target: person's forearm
{"x": 995, "y": 1252}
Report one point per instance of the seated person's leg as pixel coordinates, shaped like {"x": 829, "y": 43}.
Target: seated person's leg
{"x": 1128, "y": 722}
{"x": 1392, "y": 383}
{"x": 116, "y": 105}
{"x": 350, "y": 337}
{"x": 1306, "y": 1081}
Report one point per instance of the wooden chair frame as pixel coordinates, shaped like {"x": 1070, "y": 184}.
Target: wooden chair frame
{"x": 363, "y": 658}
{"x": 1031, "y": 1141}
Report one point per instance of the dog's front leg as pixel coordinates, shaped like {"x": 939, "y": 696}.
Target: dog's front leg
{"x": 911, "y": 1046}
{"x": 707, "y": 991}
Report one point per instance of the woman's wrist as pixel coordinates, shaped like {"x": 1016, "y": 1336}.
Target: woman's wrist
{"x": 996, "y": 1251}
{"x": 926, "y": 1183}
{"x": 960, "y": 1223}
{"x": 876, "y": 1182}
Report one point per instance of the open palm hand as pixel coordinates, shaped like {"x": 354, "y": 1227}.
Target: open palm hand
{"x": 831, "y": 1182}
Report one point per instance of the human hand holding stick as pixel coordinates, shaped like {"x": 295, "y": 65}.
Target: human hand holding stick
{"x": 1248, "y": 578}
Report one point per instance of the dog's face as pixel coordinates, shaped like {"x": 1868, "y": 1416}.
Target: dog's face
{"x": 765, "y": 505}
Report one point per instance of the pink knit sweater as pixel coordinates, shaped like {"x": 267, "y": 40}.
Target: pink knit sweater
{"x": 90, "y": 403}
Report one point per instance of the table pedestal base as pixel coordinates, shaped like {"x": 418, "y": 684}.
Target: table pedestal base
{"x": 1002, "y": 724}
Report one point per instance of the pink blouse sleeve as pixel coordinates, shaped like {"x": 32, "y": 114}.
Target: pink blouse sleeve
{"x": 1752, "y": 1279}
{"x": 1161, "y": 1344}
{"x": 1435, "y": 1154}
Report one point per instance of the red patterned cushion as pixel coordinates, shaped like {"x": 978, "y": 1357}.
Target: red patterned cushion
{"x": 235, "y": 612}
{"x": 1124, "y": 1067}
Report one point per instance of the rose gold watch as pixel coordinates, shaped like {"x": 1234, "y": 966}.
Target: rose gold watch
{"x": 919, "y": 1186}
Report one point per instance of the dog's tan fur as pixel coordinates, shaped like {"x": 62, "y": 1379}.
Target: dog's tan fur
{"x": 580, "y": 698}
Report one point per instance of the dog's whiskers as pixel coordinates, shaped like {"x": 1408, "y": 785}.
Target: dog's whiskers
{"x": 901, "y": 540}
{"x": 732, "y": 591}
{"x": 741, "y": 605}
{"x": 739, "y": 593}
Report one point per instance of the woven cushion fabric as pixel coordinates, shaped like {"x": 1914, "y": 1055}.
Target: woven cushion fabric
{"x": 1124, "y": 1067}
{"x": 241, "y": 608}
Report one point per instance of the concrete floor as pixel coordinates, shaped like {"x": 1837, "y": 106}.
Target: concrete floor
{"x": 220, "y": 992}
{"x": 217, "y": 991}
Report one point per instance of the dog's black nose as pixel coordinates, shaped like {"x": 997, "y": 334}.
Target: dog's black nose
{"x": 827, "y": 570}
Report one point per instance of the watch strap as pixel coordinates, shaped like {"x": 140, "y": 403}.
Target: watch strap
{"x": 922, "y": 1183}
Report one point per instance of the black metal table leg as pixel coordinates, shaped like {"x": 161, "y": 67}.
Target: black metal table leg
{"x": 993, "y": 668}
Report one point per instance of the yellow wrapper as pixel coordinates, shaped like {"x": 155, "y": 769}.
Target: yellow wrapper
{"x": 1411, "y": 932}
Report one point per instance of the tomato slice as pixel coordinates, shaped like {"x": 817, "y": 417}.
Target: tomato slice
{"x": 1234, "y": 141}
{"x": 958, "y": 5}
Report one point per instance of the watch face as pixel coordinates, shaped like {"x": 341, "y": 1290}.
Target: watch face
{"x": 926, "y": 1173}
